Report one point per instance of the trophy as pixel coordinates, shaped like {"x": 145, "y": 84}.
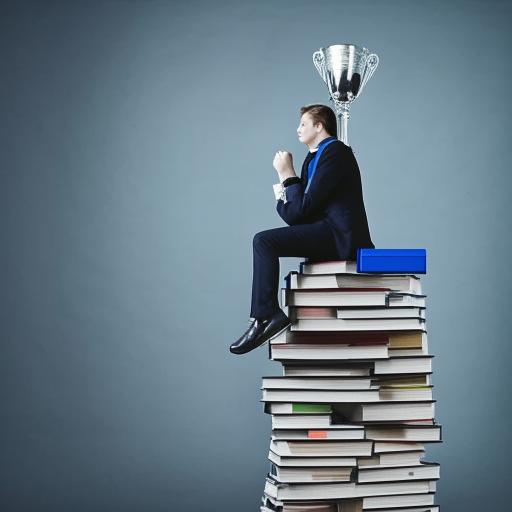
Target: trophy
{"x": 345, "y": 68}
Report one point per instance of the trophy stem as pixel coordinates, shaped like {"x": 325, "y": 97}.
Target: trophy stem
{"x": 343, "y": 115}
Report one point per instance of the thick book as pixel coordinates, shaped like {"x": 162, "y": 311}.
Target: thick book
{"x": 351, "y": 313}
{"x": 416, "y": 433}
{"x": 323, "y": 448}
{"x": 400, "y": 458}
{"x": 351, "y": 297}
{"x": 361, "y": 324}
{"x": 422, "y": 471}
{"x": 400, "y": 502}
{"x": 328, "y": 352}
{"x": 342, "y": 432}
{"x": 387, "y": 411}
{"x": 400, "y": 261}
{"x": 404, "y": 364}
{"x": 344, "y": 490}
{"x": 399, "y": 283}
{"x": 286, "y": 474}
{"x": 301, "y": 421}
{"x": 341, "y": 370}
{"x": 280, "y": 382}
{"x": 328, "y": 267}
{"x": 320, "y": 395}
{"x": 294, "y": 461}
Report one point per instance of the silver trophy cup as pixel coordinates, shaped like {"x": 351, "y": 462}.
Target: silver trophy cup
{"x": 345, "y": 68}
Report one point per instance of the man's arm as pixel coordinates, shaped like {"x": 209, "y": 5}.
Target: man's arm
{"x": 331, "y": 172}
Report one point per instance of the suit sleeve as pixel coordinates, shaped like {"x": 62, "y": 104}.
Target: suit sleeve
{"x": 331, "y": 172}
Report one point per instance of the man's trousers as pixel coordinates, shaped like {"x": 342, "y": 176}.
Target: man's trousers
{"x": 314, "y": 241}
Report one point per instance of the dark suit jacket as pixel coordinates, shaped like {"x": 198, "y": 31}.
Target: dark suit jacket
{"x": 335, "y": 195}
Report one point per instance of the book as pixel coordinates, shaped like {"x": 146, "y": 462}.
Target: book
{"x": 402, "y": 261}
{"x": 422, "y": 471}
{"x": 315, "y": 448}
{"x": 328, "y": 267}
{"x": 286, "y": 474}
{"x": 390, "y": 502}
{"x": 344, "y": 490}
{"x": 398, "y": 283}
{"x": 404, "y": 364}
{"x": 349, "y": 382}
{"x": 361, "y": 324}
{"x": 290, "y": 421}
{"x": 350, "y": 297}
{"x": 342, "y": 370}
{"x": 386, "y": 411}
{"x": 400, "y": 458}
{"x": 419, "y": 433}
{"x": 299, "y": 461}
{"x": 335, "y": 337}
{"x": 320, "y": 395}
{"x": 299, "y": 408}
{"x": 332, "y": 432}
{"x": 321, "y": 352}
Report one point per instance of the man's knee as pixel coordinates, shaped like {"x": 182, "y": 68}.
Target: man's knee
{"x": 262, "y": 240}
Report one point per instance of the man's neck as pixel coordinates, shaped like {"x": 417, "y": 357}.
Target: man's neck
{"x": 319, "y": 138}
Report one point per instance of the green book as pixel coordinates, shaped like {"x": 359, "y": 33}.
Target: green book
{"x": 296, "y": 408}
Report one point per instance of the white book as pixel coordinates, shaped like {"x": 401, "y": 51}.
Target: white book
{"x": 403, "y": 458}
{"x": 332, "y": 432}
{"x": 301, "y": 421}
{"x": 397, "y": 394}
{"x": 312, "y": 474}
{"x": 423, "y": 471}
{"x": 362, "y": 324}
{"x": 374, "y": 313}
{"x": 382, "y": 447}
{"x": 293, "y": 461}
{"x": 320, "y": 395}
{"x": 411, "y": 500}
{"x": 404, "y": 364}
{"x": 399, "y": 283}
{"x": 329, "y": 267}
{"x": 316, "y": 383}
{"x": 351, "y": 298}
{"x": 353, "y": 448}
{"x": 333, "y": 298}
{"x": 400, "y": 299}
{"x": 423, "y": 433}
{"x": 320, "y": 352}
{"x": 387, "y": 411}
{"x": 343, "y": 490}
{"x": 326, "y": 371}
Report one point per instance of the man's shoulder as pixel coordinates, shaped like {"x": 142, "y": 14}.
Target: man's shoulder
{"x": 337, "y": 147}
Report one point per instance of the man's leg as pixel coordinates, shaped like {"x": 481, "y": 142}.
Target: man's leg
{"x": 304, "y": 240}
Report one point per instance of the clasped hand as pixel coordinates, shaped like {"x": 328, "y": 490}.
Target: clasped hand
{"x": 283, "y": 164}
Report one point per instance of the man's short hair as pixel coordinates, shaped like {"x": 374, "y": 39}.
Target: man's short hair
{"x": 322, "y": 114}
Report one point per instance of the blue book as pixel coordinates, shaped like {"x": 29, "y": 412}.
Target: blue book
{"x": 392, "y": 261}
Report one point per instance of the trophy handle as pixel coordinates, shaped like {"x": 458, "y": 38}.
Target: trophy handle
{"x": 372, "y": 61}
{"x": 319, "y": 62}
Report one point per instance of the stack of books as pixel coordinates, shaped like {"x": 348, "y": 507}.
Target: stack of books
{"x": 353, "y": 409}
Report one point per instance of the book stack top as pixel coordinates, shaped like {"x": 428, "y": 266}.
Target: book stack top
{"x": 353, "y": 409}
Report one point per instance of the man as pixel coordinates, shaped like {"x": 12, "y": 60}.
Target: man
{"x": 326, "y": 219}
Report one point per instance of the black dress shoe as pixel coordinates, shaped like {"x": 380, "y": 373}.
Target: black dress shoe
{"x": 259, "y": 332}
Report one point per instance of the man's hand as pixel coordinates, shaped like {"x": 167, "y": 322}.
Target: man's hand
{"x": 283, "y": 164}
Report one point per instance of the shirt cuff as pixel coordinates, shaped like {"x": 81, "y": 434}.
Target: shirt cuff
{"x": 291, "y": 180}
{"x": 279, "y": 192}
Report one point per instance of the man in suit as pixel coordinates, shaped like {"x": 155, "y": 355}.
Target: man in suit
{"x": 326, "y": 219}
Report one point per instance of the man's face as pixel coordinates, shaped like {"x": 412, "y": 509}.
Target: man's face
{"x": 307, "y": 131}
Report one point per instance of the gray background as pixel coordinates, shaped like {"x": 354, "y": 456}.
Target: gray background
{"x": 136, "y": 142}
